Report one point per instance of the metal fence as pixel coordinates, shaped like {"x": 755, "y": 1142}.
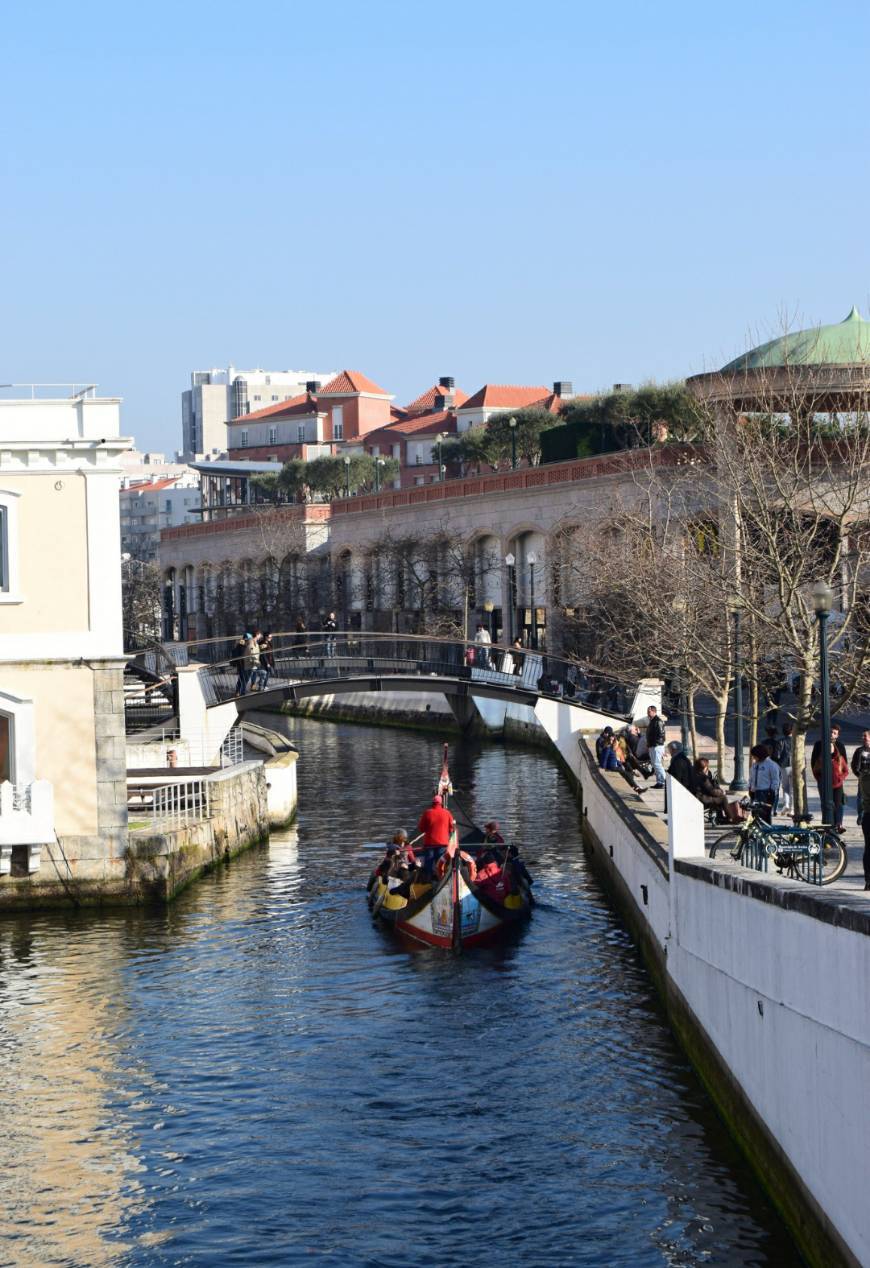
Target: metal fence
{"x": 233, "y": 747}
{"x": 169, "y": 805}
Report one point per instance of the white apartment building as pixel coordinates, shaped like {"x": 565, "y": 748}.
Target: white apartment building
{"x": 147, "y": 506}
{"x": 217, "y": 395}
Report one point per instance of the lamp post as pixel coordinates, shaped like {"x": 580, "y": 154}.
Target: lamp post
{"x": 379, "y": 462}
{"x": 679, "y": 607}
{"x": 738, "y": 783}
{"x": 442, "y": 436}
{"x": 347, "y": 475}
{"x": 822, "y": 599}
{"x": 512, "y": 423}
{"x": 533, "y": 559}
{"x": 509, "y": 563}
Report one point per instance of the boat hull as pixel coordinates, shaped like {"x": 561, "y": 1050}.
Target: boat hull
{"x": 450, "y": 914}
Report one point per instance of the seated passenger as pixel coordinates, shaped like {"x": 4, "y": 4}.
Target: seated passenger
{"x": 404, "y": 848}
{"x": 492, "y": 832}
{"x": 494, "y": 880}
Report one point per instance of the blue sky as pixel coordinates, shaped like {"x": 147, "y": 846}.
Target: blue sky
{"x": 503, "y": 192}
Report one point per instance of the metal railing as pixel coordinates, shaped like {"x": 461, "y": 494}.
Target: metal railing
{"x": 324, "y": 655}
{"x": 169, "y": 804}
{"x": 233, "y": 747}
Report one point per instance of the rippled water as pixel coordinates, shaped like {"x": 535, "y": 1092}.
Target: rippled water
{"x": 258, "y": 1075}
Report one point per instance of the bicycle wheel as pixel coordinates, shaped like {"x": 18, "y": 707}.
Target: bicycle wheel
{"x": 827, "y": 851}
{"x": 726, "y": 836}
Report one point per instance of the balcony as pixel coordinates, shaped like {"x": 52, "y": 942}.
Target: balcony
{"x": 26, "y": 818}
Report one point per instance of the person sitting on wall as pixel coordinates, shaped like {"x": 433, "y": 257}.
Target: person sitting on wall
{"x": 610, "y": 756}
{"x": 603, "y": 742}
{"x": 712, "y": 795}
{"x": 680, "y": 767}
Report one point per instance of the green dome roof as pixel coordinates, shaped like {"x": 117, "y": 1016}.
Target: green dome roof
{"x": 847, "y": 343}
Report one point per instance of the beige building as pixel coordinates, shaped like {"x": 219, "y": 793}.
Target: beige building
{"x": 62, "y": 759}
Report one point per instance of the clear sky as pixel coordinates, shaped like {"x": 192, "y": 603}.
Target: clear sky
{"x": 504, "y": 192}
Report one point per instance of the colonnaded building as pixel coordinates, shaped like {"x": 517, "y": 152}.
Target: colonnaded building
{"x": 488, "y": 548}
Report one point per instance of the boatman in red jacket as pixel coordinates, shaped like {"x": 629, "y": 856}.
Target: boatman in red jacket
{"x": 437, "y": 825}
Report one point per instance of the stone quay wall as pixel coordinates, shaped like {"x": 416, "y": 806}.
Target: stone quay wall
{"x": 765, "y": 983}
{"x": 158, "y": 861}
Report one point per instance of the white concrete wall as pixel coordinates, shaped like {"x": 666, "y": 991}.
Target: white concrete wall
{"x": 783, "y": 997}
{"x": 780, "y": 994}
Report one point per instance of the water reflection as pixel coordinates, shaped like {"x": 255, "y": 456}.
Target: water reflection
{"x": 259, "y": 1075}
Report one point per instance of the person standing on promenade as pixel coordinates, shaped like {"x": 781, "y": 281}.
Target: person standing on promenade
{"x": 655, "y": 742}
{"x": 237, "y": 661}
{"x": 680, "y": 768}
{"x": 839, "y": 773}
{"x": 267, "y": 659}
{"x": 861, "y": 762}
{"x": 484, "y": 642}
{"x": 764, "y": 781}
{"x": 252, "y": 659}
{"x": 864, "y": 801}
{"x": 783, "y": 760}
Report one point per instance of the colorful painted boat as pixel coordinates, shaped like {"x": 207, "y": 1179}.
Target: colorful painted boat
{"x": 453, "y": 911}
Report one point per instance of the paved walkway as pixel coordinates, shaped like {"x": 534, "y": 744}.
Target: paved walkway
{"x": 853, "y": 877}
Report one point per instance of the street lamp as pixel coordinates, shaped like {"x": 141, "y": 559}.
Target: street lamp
{"x": 738, "y": 783}
{"x": 533, "y": 559}
{"x": 509, "y": 563}
{"x": 679, "y": 606}
{"x": 379, "y": 462}
{"x": 822, "y": 599}
{"x": 512, "y": 423}
{"x": 442, "y": 436}
{"x": 347, "y": 475}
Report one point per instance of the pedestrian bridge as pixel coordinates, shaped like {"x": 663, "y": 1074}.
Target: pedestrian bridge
{"x": 564, "y": 696}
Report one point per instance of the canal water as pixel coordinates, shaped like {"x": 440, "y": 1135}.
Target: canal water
{"x": 259, "y": 1076}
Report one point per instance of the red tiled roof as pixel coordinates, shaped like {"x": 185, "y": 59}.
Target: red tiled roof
{"x": 501, "y": 396}
{"x": 349, "y": 382}
{"x": 303, "y": 404}
{"x": 443, "y": 421}
{"x": 427, "y": 399}
{"x": 141, "y": 485}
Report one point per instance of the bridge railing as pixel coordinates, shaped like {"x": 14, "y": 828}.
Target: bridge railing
{"x": 321, "y": 655}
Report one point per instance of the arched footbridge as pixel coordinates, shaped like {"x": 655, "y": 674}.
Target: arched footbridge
{"x": 206, "y": 677}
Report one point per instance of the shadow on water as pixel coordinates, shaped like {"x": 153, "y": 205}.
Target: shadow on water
{"x": 259, "y": 1074}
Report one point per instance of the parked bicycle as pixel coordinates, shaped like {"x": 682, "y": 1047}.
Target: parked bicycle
{"x": 802, "y": 852}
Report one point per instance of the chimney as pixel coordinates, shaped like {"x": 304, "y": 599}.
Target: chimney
{"x": 312, "y": 386}
{"x": 444, "y": 400}
{"x": 563, "y": 388}
{"x": 447, "y": 382}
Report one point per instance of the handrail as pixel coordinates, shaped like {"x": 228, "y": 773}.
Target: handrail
{"x": 325, "y": 655}
{"x": 355, "y": 637}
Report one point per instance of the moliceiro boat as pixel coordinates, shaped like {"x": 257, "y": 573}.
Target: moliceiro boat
{"x": 477, "y": 890}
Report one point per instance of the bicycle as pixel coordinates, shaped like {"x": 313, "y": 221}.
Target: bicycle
{"x": 815, "y": 855}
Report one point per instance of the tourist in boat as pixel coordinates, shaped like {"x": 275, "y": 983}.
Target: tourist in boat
{"x": 403, "y": 848}
{"x": 437, "y": 826}
{"x": 492, "y": 834}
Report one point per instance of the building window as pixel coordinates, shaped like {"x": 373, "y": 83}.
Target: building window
{"x": 300, "y": 433}
{"x": 418, "y": 459}
{"x": 244, "y": 437}
{"x": 338, "y": 422}
{"x": 419, "y": 479}
{"x": 274, "y": 397}
{"x": 257, "y": 398}
{"x": 273, "y": 435}
{"x": 9, "y": 575}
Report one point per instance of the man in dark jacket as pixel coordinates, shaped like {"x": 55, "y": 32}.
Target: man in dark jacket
{"x": 680, "y": 767}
